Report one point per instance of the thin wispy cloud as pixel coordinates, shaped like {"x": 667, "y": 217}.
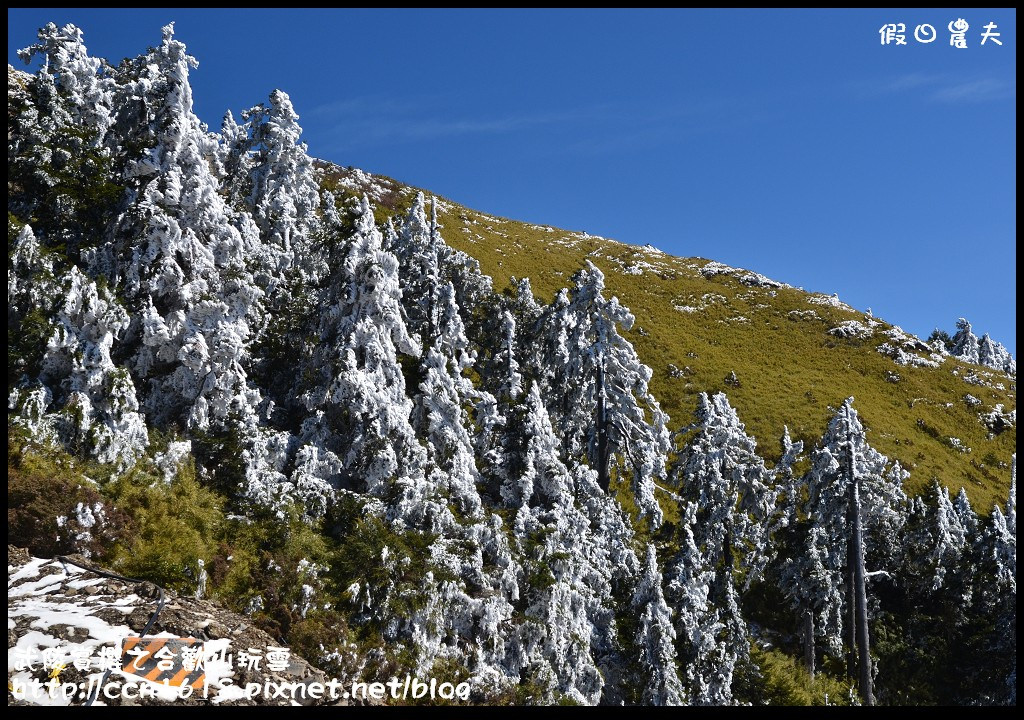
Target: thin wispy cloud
{"x": 974, "y": 91}
{"x": 597, "y": 129}
{"x": 369, "y": 121}
{"x": 913, "y": 81}
{"x": 947, "y": 88}
{"x": 428, "y": 128}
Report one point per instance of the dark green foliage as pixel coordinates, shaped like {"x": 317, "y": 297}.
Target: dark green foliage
{"x": 774, "y": 678}
{"x": 218, "y": 451}
{"x": 943, "y": 337}
{"x": 26, "y": 343}
{"x": 42, "y": 487}
{"x": 175, "y": 525}
{"x": 60, "y": 181}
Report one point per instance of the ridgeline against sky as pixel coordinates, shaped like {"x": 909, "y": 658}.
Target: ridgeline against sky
{"x": 282, "y": 370}
{"x": 794, "y": 143}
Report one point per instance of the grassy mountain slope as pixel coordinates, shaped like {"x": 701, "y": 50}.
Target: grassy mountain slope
{"x": 708, "y": 320}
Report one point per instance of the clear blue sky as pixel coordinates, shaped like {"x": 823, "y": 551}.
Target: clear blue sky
{"x": 789, "y": 142}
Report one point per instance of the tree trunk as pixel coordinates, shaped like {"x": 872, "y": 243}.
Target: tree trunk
{"x": 859, "y": 581}
{"x": 603, "y": 478}
{"x": 851, "y": 608}
{"x": 727, "y": 548}
{"x": 809, "y": 641}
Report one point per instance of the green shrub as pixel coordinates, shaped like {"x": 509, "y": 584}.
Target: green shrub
{"x": 175, "y": 525}
{"x": 784, "y": 681}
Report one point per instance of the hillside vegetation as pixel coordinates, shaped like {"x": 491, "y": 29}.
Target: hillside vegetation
{"x": 709, "y": 320}
{"x": 406, "y": 437}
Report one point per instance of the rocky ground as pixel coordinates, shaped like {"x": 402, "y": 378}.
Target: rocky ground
{"x": 59, "y": 614}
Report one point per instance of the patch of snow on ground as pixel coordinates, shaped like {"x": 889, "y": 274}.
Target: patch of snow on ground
{"x": 803, "y": 315}
{"x": 852, "y": 329}
{"x": 747, "y": 277}
{"x": 829, "y": 301}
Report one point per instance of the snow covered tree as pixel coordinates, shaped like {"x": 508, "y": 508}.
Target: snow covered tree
{"x": 179, "y": 257}
{"x": 965, "y": 342}
{"x": 993, "y": 673}
{"x": 966, "y": 516}
{"x": 234, "y": 165}
{"x": 518, "y": 299}
{"x": 446, "y": 396}
{"x": 949, "y": 537}
{"x": 569, "y": 617}
{"x": 984, "y": 351}
{"x": 598, "y": 390}
{"x": 722, "y": 473}
{"x": 32, "y": 298}
{"x": 995, "y": 355}
{"x": 360, "y": 388}
{"x": 444, "y": 422}
{"x": 61, "y": 171}
{"x": 656, "y": 638}
{"x": 703, "y": 621}
{"x": 856, "y": 501}
{"x": 80, "y": 79}
{"x": 790, "y": 486}
{"x": 100, "y": 396}
{"x": 729, "y": 500}
{"x": 798, "y": 559}
{"x": 419, "y": 252}
{"x": 284, "y": 192}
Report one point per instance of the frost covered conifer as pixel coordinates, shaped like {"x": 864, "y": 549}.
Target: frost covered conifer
{"x": 441, "y": 414}
{"x": 100, "y": 396}
{"x": 984, "y": 351}
{"x": 598, "y": 390}
{"x": 30, "y": 279}
{"x": 90, "y": 398}
{"x": 707, "y": 662}
{"x": 965, "y": 342}
{"x": 966, "y": 516}
{"x": 181, "y": 260}
{"x": 284, "y": 193}
{"x": 856, "y": 502}
{"x": 996, "y": 603}
{"x": 722, "y": 473}
{"x": 656, "y": 638}
{"x": 365, "y": 409}
{"x": 995, "y": 355}
{"x": 77, "y": 77}
{"x": 728, "y": 503}
{"x": 949, "y": 537}
{"x": 569, "y": 618}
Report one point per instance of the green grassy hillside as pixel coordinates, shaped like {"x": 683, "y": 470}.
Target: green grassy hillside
{"x": 698, "y": 321}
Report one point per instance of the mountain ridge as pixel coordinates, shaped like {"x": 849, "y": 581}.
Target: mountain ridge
{"x": 509, "y": 249}
{"x": 344, "y": 410}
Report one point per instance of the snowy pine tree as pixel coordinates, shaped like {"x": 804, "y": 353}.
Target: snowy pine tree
{"x": 572, "y": 552}
{"x": 80, "y": 79}
{"x": 728, "y": 499}
{"x": 359, "y": 421}
{"x": 965, "y": 342}
{"x": 656, "y": 638}
{"x": 856, "y": 502}
{"x": 598, "y": 390}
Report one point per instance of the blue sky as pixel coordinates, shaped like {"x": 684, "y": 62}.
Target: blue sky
{"x": 789, "y": 142}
